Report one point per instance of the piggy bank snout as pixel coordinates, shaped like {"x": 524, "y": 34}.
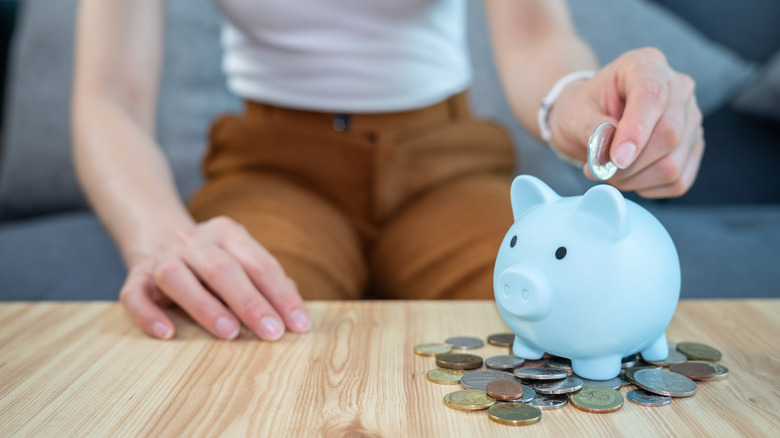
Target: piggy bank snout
{"x": 524, "y": 292}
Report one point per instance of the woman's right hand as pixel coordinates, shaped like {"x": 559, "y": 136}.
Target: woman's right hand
{"x": 217, "y": 273}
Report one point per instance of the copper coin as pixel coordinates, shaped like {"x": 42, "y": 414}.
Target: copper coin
{"x": 458, "y": 361}
{"x": 501, "y": 339}
{"x": 528, "y": 395}
{"x": 695, "y": 371}
{"x": 505, "y": 390}
{"x": 721, "y": 372}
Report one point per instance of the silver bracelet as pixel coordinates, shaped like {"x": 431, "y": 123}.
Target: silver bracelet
{"x": 543, "y": 115}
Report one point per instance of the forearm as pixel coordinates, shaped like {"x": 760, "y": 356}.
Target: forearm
{"x": 121, "y": 168}
{"x": 534, "y": 45}
{"x": 126, "y": 177}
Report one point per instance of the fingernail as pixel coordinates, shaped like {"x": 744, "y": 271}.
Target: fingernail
{"x": 161, "y": 330}
{"x": 270, "y": 328}
{"x": 624, "y": 154}
{"x": 226, "y": 328}
{"x": 299, "y": 321}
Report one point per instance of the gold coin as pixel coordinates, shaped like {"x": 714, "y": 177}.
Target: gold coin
{"x": 470, "y": 400}
{"x": 447, "y": 401}
{"x": 721, "y": 372}
{"x": 696, "y": 351}
{"x": 443, "y": 376}
{"x": 432, "y": 349}
{"x": 598, "y": 399}
{"x": 514, "y": 414}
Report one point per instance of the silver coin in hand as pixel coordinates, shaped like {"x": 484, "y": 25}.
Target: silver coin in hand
{"x": 598, "y": 152}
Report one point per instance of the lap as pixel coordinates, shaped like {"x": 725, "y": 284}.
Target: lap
{"x": 444, "y": 244}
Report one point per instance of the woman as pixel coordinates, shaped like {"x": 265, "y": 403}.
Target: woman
{"x": 356, "y": 164}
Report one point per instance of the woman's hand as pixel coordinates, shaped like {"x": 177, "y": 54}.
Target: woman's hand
{"x": 219, "y": 275}
{"x": 659, "y": 141}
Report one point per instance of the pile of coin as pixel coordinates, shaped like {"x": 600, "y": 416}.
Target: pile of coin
{"x": 515, "y": 391}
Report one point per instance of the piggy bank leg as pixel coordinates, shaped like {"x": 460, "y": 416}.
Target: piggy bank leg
{"x": 658, "y": 350}
{"x": 521, "y": 349}
{"x": 599, "y": 368}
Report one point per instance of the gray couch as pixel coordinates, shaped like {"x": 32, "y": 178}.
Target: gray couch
{"x": 53, "y": 248}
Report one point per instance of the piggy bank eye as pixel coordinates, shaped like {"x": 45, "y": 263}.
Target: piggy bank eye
{"x": 560, "y": 253}
{"x": 513, "y": 242}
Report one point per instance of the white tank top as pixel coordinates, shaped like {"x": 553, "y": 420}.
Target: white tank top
{"x": 356, "y": 56}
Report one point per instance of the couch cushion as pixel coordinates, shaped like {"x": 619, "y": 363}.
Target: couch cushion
{"x": 66, "y": 256}
{"x": 725, "y": 252}
{"x": 36, "y": 171}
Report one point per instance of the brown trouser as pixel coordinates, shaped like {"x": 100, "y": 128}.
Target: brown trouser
{"x": 399, "y": 205}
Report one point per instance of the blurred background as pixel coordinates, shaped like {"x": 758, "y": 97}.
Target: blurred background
{"x": 727, "y": 228}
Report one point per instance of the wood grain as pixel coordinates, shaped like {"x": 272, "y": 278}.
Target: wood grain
{"x": 85, "y": 369}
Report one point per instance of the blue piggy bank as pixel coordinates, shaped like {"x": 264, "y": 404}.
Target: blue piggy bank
{"x": 592, "y": 278}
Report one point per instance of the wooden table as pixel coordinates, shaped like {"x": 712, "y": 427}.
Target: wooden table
{"x": 85, "y": 369}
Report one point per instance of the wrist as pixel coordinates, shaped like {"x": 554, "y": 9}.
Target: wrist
{"x": 546, "y": 106}
{"x": 148, "y": 240}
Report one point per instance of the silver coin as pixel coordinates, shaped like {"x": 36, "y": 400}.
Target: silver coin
{"x": 504, "y": 362}
{"x": 501, "y": 339}
{"x": 560, "y": 363}
{"x": 565, "y": 386}
{"x": 623, "y": 380}
{"x": 541, "y": 373}
{"x": 664, "y": 382}
{"x": 673, "y": 358}
{"x": 464, "y": 342}
{"x": 629, "y": 361}
{"x": 549, "y": 401}
{"x": 480, "y": 379}
{"x": 598, "y": 152}
{"x": 528, "y": 395}
{"x": 630, "y": 372}
{"x": 721, "y": 372}
{"x": 644, "y": 398}
{"x": 613, "y": 383}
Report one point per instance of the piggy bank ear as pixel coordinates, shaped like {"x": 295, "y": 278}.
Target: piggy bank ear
{"x": 528, "y": 191}
{"x": 606, "y": 204}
